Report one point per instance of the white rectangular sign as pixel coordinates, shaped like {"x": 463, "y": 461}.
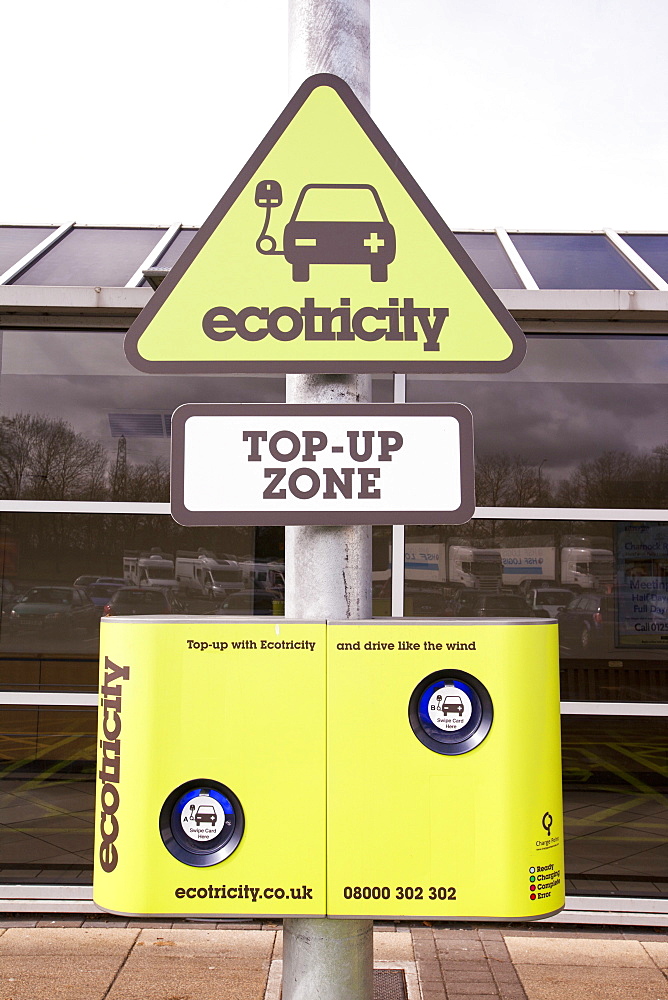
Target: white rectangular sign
{"x": 369, "y": 463}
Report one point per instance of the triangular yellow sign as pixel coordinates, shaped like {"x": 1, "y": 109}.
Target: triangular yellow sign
{"x": 324, "y": 256}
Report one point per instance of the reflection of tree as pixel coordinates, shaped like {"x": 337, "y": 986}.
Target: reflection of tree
{"x": 613, "y": 479}
{"x": 149, "y": 482}
{"x": 618, "y": 479}
{"x": 45, "y": 459}
{"x": 504, "y": 480}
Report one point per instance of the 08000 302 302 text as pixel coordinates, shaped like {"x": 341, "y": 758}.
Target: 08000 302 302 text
{"x": 399, "y": 892}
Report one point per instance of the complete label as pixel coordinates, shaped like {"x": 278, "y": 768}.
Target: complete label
{"x": 323, "y": 464}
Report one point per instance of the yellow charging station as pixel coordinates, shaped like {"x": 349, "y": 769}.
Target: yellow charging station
{"x": 211, "y": 767}
{"x": 444, "y": 769}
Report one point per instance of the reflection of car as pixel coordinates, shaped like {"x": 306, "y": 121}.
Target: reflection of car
{"x": 452, "y": 703}
{"x": 85, "y": 581}
{"x": 205, "y": 814}
{"x": 587, "y": 623}
{"x": 56, "y": 609}
{"x": 339, "y": 224}
{"x": 100, "y": 593}
{"x": 143, "y": 601}
{"x": 549, "y": 599}
{"x": 249, "y": 602}
{"x": 478, "y": 604}
{"x": 427, "y": 600}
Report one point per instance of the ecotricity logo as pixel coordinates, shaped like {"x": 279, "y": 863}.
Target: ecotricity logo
{"x": 110, "y": 768}
{"x": 396, "y": 321}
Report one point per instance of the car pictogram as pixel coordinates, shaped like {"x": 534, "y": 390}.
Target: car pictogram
{"x": 452, "y": 704}
{"x": 205, "y": 814}
{"x": 330, "y": 224}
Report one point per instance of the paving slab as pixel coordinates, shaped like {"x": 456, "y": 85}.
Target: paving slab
{"x": 189, "y": 979}
{"x": 658, "y": 952}
{"x": 43, "y": 965}
{"x": 577, "y": 951}
{"x": 221, "y": 944}
{"x": 64, "y": 922}
{"x": 42, "y": 977}
{"x": 471, "y": 990}
{"x": 469, "y": 974}
{"x": 556, "y": 982}
{"x": 430, "y": 972}
{"x": 62, "y": 941}
{"x": 472, "y": 952}
{"x": 392, "y": 947}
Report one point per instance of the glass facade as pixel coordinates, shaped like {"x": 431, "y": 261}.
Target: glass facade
{"x": 47, "y": 793}
{"x": 581, "y": 423}
{"x": 490, "y": 258}
{"x": 17, "y": 241}
{"x": 616, "y": 813}
{"x": 571, "y": 480}
{"x": 576, "y": 260}
{"x": 654, "y": 249}
{"x": 90, "y": 256}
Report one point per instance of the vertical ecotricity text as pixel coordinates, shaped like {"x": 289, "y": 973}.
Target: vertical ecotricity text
{"x": 110, "y": 761}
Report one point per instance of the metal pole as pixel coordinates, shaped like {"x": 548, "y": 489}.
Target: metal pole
{"x": 330, "y": 36}
{"x": 328, "y": 569}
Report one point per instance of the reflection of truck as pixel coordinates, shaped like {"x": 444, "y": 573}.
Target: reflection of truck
{"x": 458, "y": 564}
{"x": 574, "y": 564}
{"x": 205, "y": 573}
{"x": 149, "y": 569}
{"x": 263, "y": 575}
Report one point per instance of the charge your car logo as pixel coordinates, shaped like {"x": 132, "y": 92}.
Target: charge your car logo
{"x": 202, "y": 816}
{"x": 330, "y": 224}
{"x": 449, "y": 708}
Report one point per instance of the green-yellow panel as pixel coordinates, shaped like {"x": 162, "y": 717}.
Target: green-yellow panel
{"x": 418, "y": 834}
{"x": 193, "y": 709}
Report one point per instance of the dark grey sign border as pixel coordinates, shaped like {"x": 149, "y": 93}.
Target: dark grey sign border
{"x": 486, "y": 293}
{"x": 189, "y": 518}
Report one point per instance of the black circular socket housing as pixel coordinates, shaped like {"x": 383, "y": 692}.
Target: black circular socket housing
{"x": 470, "y": 735}
{"x": 201, "y": 854}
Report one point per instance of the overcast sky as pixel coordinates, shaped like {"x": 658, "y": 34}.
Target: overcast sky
{"x": 526, "y": 114}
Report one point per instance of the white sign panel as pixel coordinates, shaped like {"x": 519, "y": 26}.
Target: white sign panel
{"x": 369, "y": 463}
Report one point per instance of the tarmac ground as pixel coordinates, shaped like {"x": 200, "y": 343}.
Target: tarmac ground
{"x": 104, "y": 958}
